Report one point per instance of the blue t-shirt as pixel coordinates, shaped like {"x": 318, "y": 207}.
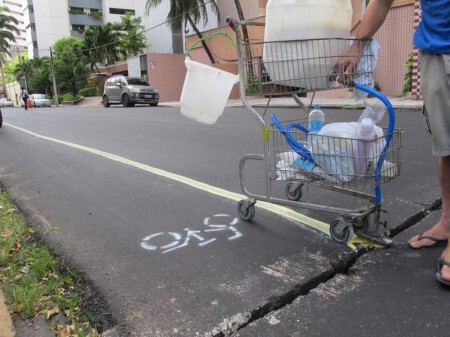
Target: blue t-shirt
{"x": 433, "y": 33}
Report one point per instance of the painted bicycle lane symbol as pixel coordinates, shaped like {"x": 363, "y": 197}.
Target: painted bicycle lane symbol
{"x": 216, "y": 223}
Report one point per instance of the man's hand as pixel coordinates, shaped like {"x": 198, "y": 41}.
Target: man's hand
{"x": 348, "y": 62}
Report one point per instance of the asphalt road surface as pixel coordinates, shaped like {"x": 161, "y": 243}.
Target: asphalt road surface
{"x": 143, "y": 202}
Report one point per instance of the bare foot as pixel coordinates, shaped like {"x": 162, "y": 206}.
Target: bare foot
{"x": 445, "y": 271}
{"x": 437, "y": 235}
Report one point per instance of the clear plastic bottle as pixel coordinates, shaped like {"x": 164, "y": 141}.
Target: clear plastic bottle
{"x": 374, "y": 110}
{"x": 316, "y": 120}
{"x": 363, "y": 147}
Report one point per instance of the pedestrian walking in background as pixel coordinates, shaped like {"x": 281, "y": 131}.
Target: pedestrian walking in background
{"x": 432, "y": 39}
{"x": 24, "y": 95}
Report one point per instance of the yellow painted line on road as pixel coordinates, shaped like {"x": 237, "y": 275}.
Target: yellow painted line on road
{"x": 274, "y": 208}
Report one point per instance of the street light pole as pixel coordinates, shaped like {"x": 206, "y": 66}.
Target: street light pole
{"x": 55, "y": 88}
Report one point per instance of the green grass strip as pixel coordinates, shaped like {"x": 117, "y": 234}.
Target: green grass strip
{"x": 31, "y": 281}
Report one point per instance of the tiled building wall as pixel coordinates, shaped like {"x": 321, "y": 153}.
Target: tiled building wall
{"x": 166, "y": 73}
{"x": 395, "y": 38}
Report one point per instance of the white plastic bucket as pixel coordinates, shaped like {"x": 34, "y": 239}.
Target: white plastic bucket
{"x": 304, "y": 64}
{"x": 205, "y": 92}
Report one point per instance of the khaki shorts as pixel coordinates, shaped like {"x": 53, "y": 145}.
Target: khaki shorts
{"x": 435, "y": 86}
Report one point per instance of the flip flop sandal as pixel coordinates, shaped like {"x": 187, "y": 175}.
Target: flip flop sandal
{"x": 440, "y": 263}
{"x": 436, "y": 242}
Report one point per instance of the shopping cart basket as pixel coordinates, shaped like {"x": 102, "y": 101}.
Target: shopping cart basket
{"x": 295, "y": 68}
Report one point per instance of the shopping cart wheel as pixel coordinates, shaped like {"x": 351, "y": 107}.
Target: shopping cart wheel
{"x": 341, "y": 231}
{"x": 246, "y": 210}
{"x": 294, "y": 191}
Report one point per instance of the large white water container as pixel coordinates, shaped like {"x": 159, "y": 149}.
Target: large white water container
{"x": 297, "y": 58}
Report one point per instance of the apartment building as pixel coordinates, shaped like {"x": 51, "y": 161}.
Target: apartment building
{"x": 16, "y": 11}
{"x": 47, "y": 21}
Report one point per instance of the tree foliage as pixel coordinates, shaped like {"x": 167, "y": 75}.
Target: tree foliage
{"x": 71, "y": 71}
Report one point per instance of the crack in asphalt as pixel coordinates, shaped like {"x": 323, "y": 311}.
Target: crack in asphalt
{"x": 230, "y": 326}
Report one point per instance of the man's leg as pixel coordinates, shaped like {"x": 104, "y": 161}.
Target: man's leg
{"x": 441, "y": 230}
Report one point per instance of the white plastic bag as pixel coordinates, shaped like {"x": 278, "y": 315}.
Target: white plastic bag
{"x": 286, "y": 170}
{"x": 334, "y": 149}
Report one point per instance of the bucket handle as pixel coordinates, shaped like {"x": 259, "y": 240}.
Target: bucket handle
{"x": 208, "y": 37}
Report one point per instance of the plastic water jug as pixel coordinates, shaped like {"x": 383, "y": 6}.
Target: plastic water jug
{"x": 304, "y": 64}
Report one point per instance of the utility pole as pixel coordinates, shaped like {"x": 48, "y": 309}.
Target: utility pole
{"x": 55, "y": 89}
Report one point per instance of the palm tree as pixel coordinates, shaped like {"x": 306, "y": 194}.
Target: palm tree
{"x": 133, "y": 41}
{"x": 101, "y": 44}
{"x": 41, "y": 74}
{"x": 8, "y": 26}
{"x": 183, "y": 11}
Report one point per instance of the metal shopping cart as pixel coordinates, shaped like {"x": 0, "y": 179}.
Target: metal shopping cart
{"x": 295, "y": 68}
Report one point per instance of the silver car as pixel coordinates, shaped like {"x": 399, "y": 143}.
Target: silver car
{"x": 129, "y": 91}
{"x": 6, "y": 102}
{"x": 40, "y": 100}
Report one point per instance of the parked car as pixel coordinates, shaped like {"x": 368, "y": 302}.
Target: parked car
{"x": 1, "y": 118}
{"x": 6, "y": 102}
{"x": 40, "y": 100}
{"x": 129, "y": 91}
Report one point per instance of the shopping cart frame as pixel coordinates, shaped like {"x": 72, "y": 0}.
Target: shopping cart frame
{"x": 364, "y": 221}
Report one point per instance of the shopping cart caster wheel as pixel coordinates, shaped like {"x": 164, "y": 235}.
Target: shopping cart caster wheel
{"x": 246, "y": 210}
{"x": 294, "y": 191}
{"x": 341, "y": 231}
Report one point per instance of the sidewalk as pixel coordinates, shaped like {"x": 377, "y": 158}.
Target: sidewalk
{"x": 325, "y": 102}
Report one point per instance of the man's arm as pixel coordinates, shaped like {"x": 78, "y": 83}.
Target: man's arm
{"x": 372, "y": 20}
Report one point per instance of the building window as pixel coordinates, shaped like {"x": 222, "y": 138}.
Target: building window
{"x": 121, "y": 11}
{"x": 78, "y": 28}
{"x": 31, "y": 9}
{"x": 35, "y": 45}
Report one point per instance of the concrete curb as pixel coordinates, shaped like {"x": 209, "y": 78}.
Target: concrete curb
{"x": 6, "y": 325}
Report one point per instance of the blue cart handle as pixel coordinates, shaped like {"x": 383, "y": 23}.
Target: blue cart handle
{"x": 388, "y": 137}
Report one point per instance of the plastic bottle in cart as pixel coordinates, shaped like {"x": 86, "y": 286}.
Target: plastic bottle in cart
{"x": 316, "y": 120}
{"x": 363, "y": 147}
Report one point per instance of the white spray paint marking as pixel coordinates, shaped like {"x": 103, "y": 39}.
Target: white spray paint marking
{"x": 179, "y": 241}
